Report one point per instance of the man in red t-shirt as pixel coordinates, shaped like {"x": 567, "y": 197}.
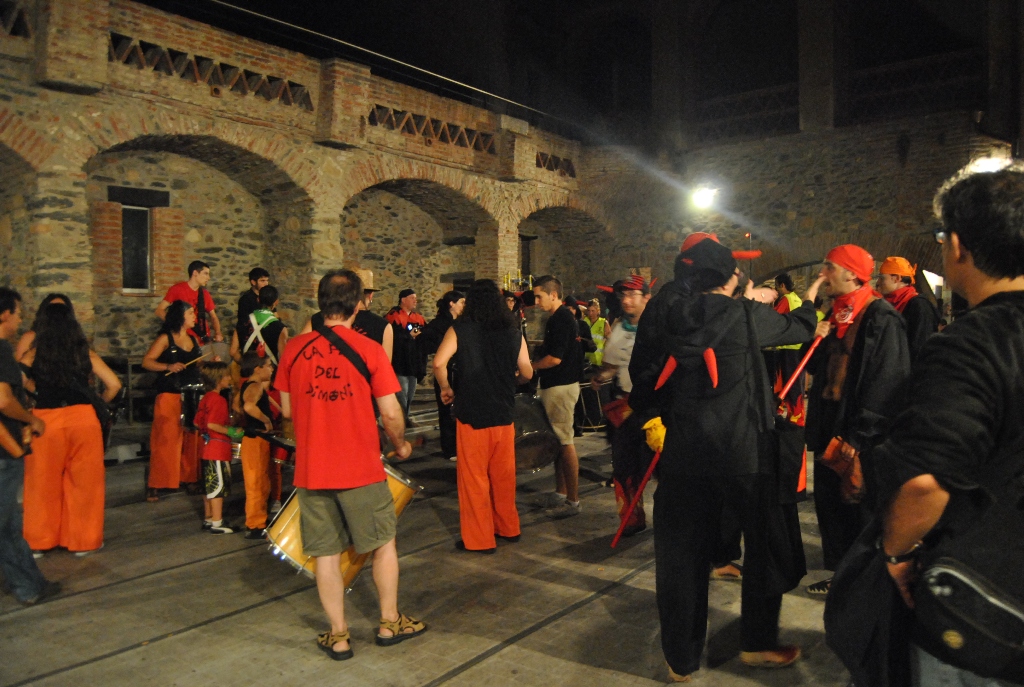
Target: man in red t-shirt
{"x": 341, "y": 485}
{"x": 207, "y": 324}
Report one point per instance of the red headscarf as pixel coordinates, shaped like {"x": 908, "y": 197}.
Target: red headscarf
{"x": 853, "y": 258}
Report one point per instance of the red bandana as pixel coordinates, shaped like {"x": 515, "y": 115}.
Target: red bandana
{"x": 845, "y": 308}
{"x": 901, "y": 296}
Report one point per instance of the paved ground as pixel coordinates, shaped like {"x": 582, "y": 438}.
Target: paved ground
{"x": 164, "y": 604}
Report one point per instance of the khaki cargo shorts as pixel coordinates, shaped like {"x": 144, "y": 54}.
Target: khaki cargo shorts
{"x": 331, "y": 520}
{"x": 560, "y": 405}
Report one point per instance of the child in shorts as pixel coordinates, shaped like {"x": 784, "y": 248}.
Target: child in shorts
{"x": 213, "y": 418}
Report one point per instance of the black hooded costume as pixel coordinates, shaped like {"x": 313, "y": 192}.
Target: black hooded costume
{"x": 720, "y": 450}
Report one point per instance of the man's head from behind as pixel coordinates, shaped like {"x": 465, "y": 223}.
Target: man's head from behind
{"x": 983, "y": 217}
{"x": 784, "y": 283}
{"x": 547, "y": 291}
{"x": 268, "y": 297}
{"x": 10, "y": 312}
{"x": 338, "y": 294}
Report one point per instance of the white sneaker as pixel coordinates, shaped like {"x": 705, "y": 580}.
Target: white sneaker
{"x": 83, "y": 554}
{"x": 552, "y": 499}
{"x": 566, "y": 510}
{"x": 220, "y": 529}
{"x": 275, "y": 506}
{"x": 38, "y": 554}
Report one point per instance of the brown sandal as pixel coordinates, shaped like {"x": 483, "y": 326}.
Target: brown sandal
{"x": 152, "y": 495}
{"x": 398, "y": 630}
{"x": 327, "y": 640}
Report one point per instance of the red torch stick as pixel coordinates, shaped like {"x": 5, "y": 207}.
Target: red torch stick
{"x": 800, "y": 367}
{"x": 636, "y": 498}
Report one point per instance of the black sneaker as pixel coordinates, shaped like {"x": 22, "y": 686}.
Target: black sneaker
{"x": 49, "y": 590}
{"x": 207, "y": 524}
{"x": 256, "y": 534}
{"x": 461, "y": 546}
{"x": 220, "y": 529}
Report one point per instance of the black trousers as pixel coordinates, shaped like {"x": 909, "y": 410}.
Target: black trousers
{"x": 446, "y": 424}
{"x": 687, "y": 532}
{"x": 839, "y": 523}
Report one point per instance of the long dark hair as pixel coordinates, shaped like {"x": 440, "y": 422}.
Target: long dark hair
{"x": 445, "y": 302}
{"x": 175, "y": 318}
{"x": 62, "y": 351}
{"x": 485, "y": 305}
{"x": 41, "y": 312}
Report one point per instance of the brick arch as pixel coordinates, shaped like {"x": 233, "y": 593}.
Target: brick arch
{"x": 457, "y": 185}
{"x": 23, "y": 142}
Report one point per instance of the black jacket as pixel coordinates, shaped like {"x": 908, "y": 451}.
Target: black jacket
{"x": 922, "y": 321}
{"x": 712, "y": 430}
{"x": 879, "y": 363}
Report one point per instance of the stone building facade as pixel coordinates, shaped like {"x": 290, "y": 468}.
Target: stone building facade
{"x": 244, "y": 154}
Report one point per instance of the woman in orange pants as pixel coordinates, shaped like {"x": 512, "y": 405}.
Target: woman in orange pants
{"x": 64, "y": 475}
{"x": 171, "y": 355}
{"x": 489, "y": 351}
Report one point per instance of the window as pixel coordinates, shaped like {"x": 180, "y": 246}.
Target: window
{"x": 136, "y": 234}
{"x": 135, "y": 245}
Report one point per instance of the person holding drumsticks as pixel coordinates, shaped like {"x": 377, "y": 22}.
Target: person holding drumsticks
{"x": 489, "y": 351}
{"x": 328, "y": 379}
{"x": 173, "y": 355}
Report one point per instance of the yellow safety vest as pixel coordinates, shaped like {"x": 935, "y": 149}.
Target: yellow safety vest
{"x": 597, "y": 334}
{"x": 794, "y": 302}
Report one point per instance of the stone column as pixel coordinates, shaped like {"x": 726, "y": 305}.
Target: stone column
{"x": 666, "y": 73}
{"x": 1002, "y": 34}
{"x": 497, "y": 249}
{"x": 823, "y": 63}
{"x": 61, "y": 254}
{"x": 71, "y": 44}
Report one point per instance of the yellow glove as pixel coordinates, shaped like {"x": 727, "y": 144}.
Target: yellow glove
{"x": 655, "y": 434}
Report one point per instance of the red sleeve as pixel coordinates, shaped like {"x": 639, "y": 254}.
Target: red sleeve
{"x": 172, "y": 294}
{"x": 382, "y": 376}
{"x": 284, "y": 368}
{"x": 208, "y": 301}
{"x": 782, "y": 306}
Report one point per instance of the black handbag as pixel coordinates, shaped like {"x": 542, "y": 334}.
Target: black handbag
{"x": 969, "y": 601}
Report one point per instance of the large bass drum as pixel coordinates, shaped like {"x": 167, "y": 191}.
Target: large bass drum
{"x": 537, "y": 445}
{"x": 285, "y": 537}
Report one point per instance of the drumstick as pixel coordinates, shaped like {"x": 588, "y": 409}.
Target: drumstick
{"x": 800, "y": 368}
{"x": 636, "y": 499}
{"x": 416, "y": 443}
{"x": 207, "y": 355}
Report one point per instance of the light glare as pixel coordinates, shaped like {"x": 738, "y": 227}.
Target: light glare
{"x": 988, "y": 164}
{"x": 703, "y": 198}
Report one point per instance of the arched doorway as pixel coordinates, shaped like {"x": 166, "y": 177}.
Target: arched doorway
{"x": 415, "y": 234}
{"x": 573, "y": 246}
{"x": 194, "y": 198}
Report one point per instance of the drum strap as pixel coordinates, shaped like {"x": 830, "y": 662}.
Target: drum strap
{"x": 346, "y": 351}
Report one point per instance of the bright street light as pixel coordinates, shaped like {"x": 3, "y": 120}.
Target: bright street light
{"x": 703, "y": 198}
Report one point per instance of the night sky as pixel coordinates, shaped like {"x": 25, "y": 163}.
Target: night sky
{"x": 582, "y": 60}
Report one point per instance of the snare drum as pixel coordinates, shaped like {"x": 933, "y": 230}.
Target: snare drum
{"x": 191, "y": 395}
{"x": 285, "y": 537}
{"x": 282, "y": 449}
{"x": 217, "y": 350}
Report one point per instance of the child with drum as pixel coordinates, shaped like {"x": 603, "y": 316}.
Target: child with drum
{"x": 257, "y": 372}
{"x": 213, "y": 418}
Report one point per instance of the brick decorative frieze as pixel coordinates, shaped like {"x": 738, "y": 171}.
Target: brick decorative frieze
{"x": 203, "y": 70}
{"x": 431, "y": 130}
{"x": 553, "y": 163}
{"x": 14, "y": 20}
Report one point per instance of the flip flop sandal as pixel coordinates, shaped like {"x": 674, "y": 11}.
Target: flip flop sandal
{"x": 715, "y": 575}
{"x": 327, "y": 640}
{"x": 398, "y": 629}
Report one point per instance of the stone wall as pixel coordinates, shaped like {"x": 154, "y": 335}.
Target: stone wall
{"x": 798, "y": 195}
{"x": 16, "y": 191}
{"x": 223, "y": 225}
{"x": 402, "y": 244}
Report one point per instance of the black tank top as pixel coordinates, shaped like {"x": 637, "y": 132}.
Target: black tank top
{"x": 484, "y": 379}
{"x": 56, "y": 396}
{"x": 173, "y": 384}
{"x": 252, "y": 425}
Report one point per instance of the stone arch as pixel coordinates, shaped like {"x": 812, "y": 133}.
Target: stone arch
{"x": 16, "y": 199}
{"x": 228, "y": 206}
{"x": 418, "y": 233}
{"x": 574, "y": 245}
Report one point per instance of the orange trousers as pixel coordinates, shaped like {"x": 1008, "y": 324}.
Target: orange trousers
{"x": 486, "y": 472}
{"x": 190, "y": 467}
{"x": 166, "y": 442}
{"x": 256, "y": 474}
{"x": 65, "y": 482}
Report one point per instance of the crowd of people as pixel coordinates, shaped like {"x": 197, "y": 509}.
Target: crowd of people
{"x": 719, "y": 388}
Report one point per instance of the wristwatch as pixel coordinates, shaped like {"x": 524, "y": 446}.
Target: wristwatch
{"x": 901, "y": 558}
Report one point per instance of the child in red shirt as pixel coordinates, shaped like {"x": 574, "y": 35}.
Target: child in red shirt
{"x": 213, "y": 418}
